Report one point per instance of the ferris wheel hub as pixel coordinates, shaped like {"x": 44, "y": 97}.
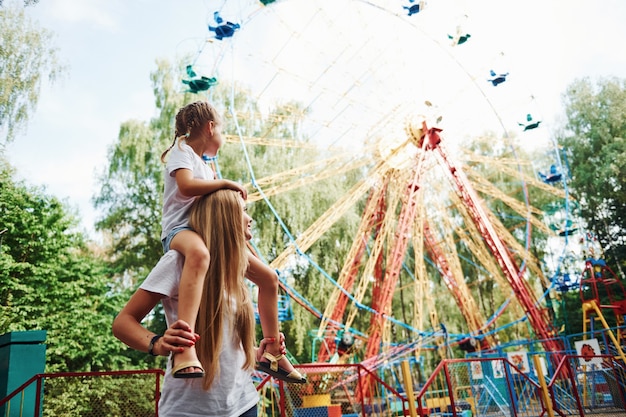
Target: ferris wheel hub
{"x": 415, "y": 132}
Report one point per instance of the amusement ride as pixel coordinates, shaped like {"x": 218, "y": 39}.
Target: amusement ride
{"x": 451, "y": 208}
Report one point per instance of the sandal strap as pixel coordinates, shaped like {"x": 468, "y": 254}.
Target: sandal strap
{"x": 273, "y": 360}
{"x": 188, "y": 364}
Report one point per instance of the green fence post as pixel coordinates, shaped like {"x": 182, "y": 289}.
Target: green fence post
{"x": 22, "y": 355}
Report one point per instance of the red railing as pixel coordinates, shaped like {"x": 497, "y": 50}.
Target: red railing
{"x": 38, "y": 380}
{"x": 456, "y": 388}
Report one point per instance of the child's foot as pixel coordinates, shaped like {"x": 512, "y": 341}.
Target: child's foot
{"x": 276, "y": 364}
{"x": 186, "y": 364}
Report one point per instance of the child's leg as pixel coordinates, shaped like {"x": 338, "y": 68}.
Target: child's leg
{"x": 267, "y": 281}
{"x": 196, "y": 265}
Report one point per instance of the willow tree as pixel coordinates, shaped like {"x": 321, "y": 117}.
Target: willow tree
{"x": 27, "y": 56}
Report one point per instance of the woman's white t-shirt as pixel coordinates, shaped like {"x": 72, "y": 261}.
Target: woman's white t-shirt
{"x": 176, "y": 206}
{"x": 232, "y": 392}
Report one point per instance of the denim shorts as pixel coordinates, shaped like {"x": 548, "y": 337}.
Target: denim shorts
{"x": 168, "y": 239}
{"x": 250, "y": 413}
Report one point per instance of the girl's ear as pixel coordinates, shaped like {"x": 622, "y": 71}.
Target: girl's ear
{"x": 210, "y": 125}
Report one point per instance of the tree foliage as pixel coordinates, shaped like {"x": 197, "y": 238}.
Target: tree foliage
{"x": 27, "y": 55}
{"x": 50, "y": 280}
{"x": 594, "y": 140}
{"x": 132, "y": 184}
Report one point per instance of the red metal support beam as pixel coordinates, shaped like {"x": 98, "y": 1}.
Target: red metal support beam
{"x": 537, "y": 318}
{"x": 394, "y": 260}
{"x": 442, "y": 264}
{"x": 377, "y": 208}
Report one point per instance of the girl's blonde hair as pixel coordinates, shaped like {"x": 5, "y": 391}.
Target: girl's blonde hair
{"x": 190, "y": 120}
{"x": 218, "y": 219}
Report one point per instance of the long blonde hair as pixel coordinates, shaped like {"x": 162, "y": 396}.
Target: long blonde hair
{"x": 218, "y": 219}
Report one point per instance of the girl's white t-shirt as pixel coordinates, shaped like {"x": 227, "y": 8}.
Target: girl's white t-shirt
{"x": 176, "y": 206}
{"x": 232, "y": 392}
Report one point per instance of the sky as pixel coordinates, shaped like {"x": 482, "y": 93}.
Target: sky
{"x": 111, "y": 46}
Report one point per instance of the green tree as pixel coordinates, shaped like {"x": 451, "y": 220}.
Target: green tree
{"x": 27, "y": 55}
{"x": 50, "y": 279}
{"x": 594, "y": 140}
{"x": 132, "y": 184}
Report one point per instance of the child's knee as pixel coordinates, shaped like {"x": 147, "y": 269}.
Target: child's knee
{"x": 198, "y": 258}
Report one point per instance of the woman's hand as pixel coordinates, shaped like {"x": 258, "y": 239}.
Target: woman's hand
{"x": 268, "y": 341}
{"x": 175, "y": 339}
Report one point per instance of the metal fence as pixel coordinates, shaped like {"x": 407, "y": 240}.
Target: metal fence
{"x": 89, "y": 394}
{"x": 576, "y": 386}
{"x": 331, "y": 391}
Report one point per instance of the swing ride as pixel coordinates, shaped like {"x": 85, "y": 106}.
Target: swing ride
{"x": 447, "y": 220}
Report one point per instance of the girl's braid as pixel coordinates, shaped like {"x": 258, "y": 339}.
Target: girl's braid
{"x": 191, "y": 119}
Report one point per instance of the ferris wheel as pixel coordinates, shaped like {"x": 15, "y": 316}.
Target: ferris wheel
{"x": 395, "y": 90}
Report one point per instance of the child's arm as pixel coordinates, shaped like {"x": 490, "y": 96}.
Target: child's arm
{"x": 191, "y": 187}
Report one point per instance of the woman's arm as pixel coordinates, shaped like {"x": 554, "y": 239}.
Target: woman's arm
{"x": 127, "y": 327}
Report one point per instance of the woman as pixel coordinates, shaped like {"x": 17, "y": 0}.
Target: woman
{"x": 225, "y": 339}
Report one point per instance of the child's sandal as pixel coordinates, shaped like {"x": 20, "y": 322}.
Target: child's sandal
{"x": 176, "y": 370}
{"x": 277, "y": 372}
